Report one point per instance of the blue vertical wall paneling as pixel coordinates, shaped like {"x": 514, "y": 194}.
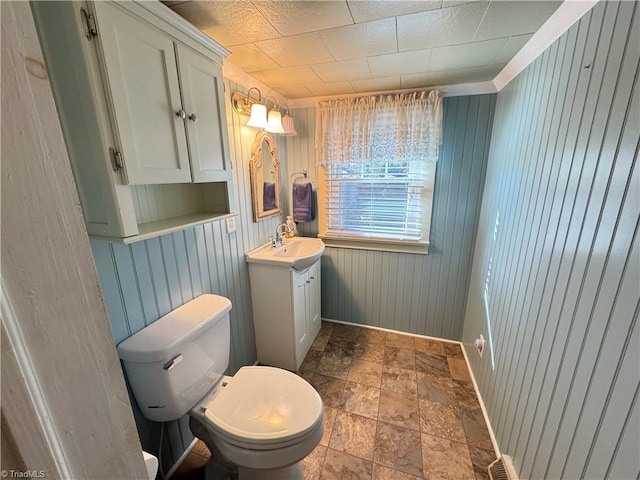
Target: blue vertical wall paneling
{"x": 564, "y": 289}
{"x": 143, "y": 281}
{"x": 422, "y": 294}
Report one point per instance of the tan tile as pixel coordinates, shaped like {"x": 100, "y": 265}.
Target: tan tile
{"x": 459, "y": 369}
{"x": 400, "y": 381}
{"x": 475, "y": 428}
{"x": 340, "y": 330}
{"x": 452, "y": 350}
{"x": 341, "y": 466}
{"x": 399, "y": 409}
{"x": 371, "y": 352}
{"x": 353, "y": 434}
{"x": 436, "y": 389}
{"x": 330, "y": 414}
{"x": 201, "y": 449}
{"x": 441, "y": 420}
{"x": 311, "y": 361}
{"x": 329, "y": 388}
{"x": 334, "y": 364}
{"x": 432, "y": 364}
{"x": 399, "y": 448}
{"x": 361, "y": 399}
{"x": 465, "y": 394}
{"x": 399, "y": 340}
{"x": 480, "y": 459}
{"x": 312, "y": 463}
{"x": 368, "y": 373}
{"x": 428, "y": 345}
{"x": 372, "y": 336}
{"x": 380, "y": 472}
{"x": 399, "y": 357}
{"x": 321, "y": 340}
{"x": 438, "y": 456}
{"x": 337, "y": 344}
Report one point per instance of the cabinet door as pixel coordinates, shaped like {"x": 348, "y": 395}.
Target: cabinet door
{"x": 301, "y": 327}
{"x": 203, "y": 95}
{"x": 142, "y": 78}
{"x": 313, "y": 294}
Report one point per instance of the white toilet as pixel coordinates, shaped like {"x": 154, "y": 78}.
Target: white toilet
{"x": 258, "y": 424}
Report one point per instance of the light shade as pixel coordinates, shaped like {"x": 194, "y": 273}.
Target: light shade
{"x": 287, "y": 124}
{"x": 258, "y": 116}
{"x": 274, "y": 124}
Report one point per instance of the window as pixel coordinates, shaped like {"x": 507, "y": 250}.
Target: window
{"x": 377, "y": 188}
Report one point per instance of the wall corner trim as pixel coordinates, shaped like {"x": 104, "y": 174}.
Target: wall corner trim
{"x": 566, "y": 15}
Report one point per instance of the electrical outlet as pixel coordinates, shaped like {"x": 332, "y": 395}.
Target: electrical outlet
{"x": 479, "y": 343}
{"x": 231, "y": 224}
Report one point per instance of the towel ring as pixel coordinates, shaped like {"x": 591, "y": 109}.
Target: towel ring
{"x": 295, "y": 176}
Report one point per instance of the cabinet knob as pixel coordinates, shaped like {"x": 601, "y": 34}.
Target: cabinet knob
{"x": 181, "y": 113}
{"x": 193, "y": 118}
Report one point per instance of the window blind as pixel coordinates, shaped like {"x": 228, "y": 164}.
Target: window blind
{"x": 384, "y": 199}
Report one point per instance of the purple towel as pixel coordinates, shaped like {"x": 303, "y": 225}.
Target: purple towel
{"x": 303, "y": 208}
{"x": 268, "y": 196}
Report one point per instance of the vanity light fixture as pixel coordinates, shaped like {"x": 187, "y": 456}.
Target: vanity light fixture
{"x": 287, "y": 123}
{"x": 274, "y": 119}
{"x": 261, "y": 115}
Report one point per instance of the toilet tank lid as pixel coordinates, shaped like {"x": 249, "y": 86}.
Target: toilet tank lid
{"x": 163, "y": 338}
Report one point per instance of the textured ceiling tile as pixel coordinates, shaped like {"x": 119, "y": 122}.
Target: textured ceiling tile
{"x": 467, "y": 55}
{"x": 250, "y": 58}
{"x": 333, "y": 88}
{"x": 455, "y": 3}
{"x": 294, "y": 91}
{"x": 513, "y": 18}
{"x": 446, "y": 26}
{"x": 361, "y": 40}
{"x": 296, "y": 50}
{"x": 513, "y": 46}
{"x": 230, "y": 23}
{"x": 343, "y": 71}
{"x": 284, "y": 77}
{"x": 450, "y": 77}
{"x": 362, "y": 11}
{"x": 376, "y": 84}
{"x": 415, "y": 61}
{"x": 294, "y": 17}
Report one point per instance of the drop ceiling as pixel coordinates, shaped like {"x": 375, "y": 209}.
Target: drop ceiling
{"x": 305, "y": 49}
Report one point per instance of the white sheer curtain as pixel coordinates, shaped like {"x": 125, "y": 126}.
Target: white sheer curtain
{"x": 364, "y": 130}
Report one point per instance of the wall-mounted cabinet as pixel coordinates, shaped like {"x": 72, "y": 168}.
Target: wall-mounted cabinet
{"x": 140, "y": 96}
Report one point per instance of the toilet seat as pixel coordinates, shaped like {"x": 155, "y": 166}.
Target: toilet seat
{"x": 264, "y": 408}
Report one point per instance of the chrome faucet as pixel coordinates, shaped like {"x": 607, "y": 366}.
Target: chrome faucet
{"x": 277, "y": 240}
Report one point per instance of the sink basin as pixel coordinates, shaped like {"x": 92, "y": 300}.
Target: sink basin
{"x": 297, "y": 253}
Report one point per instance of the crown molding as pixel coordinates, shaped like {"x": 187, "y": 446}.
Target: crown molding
{"x": 562, "y": 19}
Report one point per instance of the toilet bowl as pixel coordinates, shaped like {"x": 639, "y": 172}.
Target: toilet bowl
{"x": 261, "y": 419}
{"x": 259, "y": 423}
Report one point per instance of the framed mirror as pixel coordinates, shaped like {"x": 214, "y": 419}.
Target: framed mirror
{"x": 264, "y": 174}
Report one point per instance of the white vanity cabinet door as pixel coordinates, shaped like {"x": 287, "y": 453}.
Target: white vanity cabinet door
{"x": 144, "y": 89}
{"x": 313, "y": 294}
{"x": 203, "y": 100}
{"x": 300, "y": 310}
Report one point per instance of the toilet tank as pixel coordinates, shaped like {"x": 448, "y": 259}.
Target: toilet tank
{"x": 172, "y": 363}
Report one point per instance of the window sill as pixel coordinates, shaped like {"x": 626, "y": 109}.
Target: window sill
{"x": 420, "y": 248}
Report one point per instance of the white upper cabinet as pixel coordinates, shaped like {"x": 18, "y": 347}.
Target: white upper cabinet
{"x": 203, "y": 99}
{"x": 167, "y": 103}
{"x": 140, "y": 96}
{"x": 142, "y": 76}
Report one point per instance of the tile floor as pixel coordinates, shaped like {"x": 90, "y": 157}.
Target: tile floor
{"x": 396, "y": 408}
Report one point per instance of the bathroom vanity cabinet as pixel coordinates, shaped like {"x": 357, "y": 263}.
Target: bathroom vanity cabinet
{"x": 286, "y": 313}
{"x": 140, "y": 96}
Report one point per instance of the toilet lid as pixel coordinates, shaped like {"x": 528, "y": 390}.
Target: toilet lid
{"x": 264, "y": 405}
